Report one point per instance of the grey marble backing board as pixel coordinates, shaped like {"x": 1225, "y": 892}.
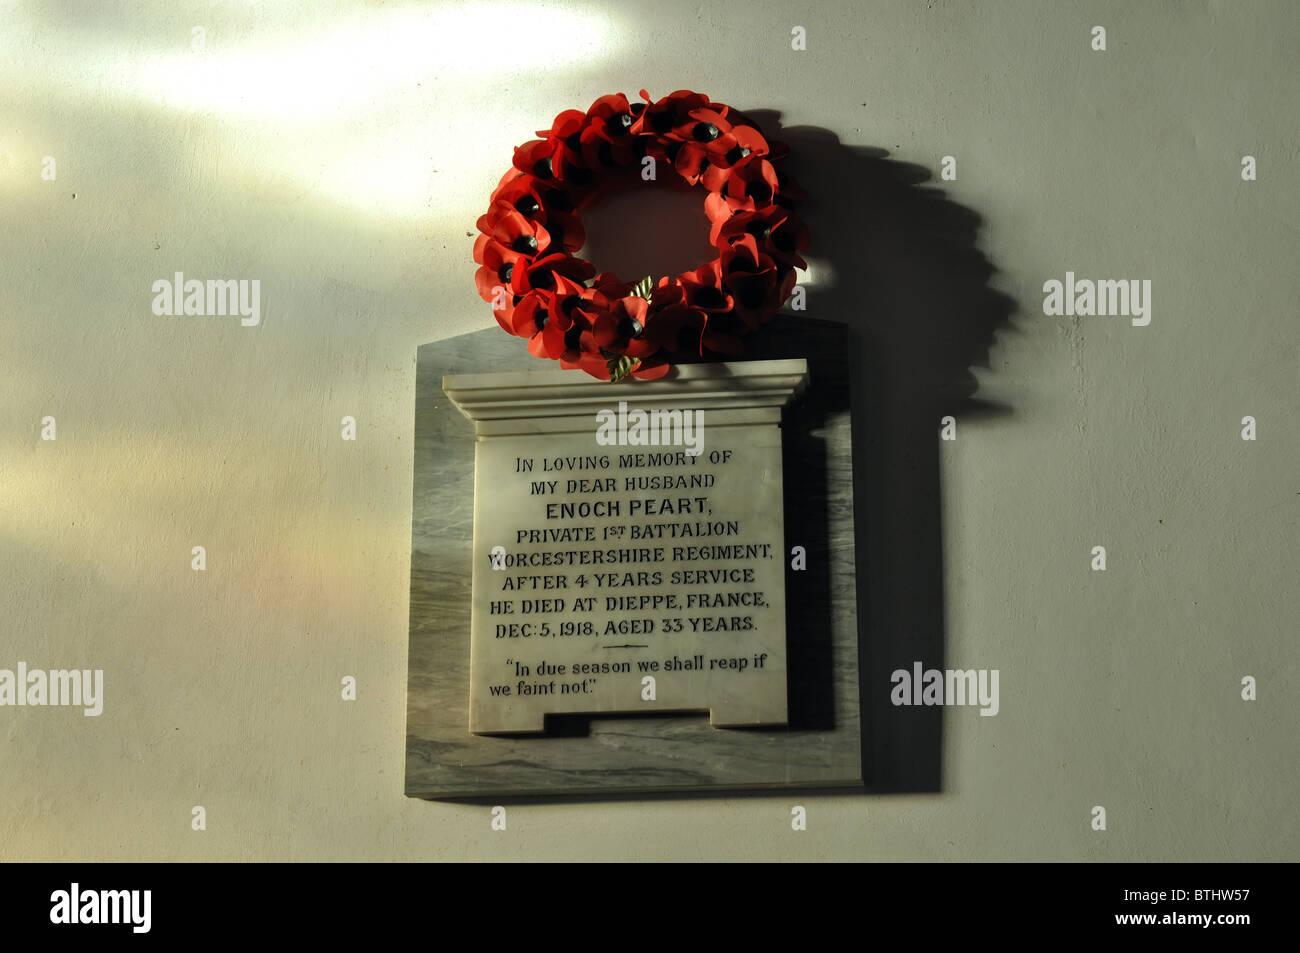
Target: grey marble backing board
{"x": 629, "y": 754}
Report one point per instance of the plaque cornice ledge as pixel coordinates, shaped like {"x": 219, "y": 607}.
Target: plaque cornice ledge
{"x": 564, "y": 393}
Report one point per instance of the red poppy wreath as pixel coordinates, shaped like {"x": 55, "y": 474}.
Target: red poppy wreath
{"x": 540, "y": 290}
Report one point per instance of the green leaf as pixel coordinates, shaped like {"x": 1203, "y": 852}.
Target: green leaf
{"x": 620, "y": 365}
{"x": 644, "y": 288}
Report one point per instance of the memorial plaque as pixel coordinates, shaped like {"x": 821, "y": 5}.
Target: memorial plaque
{"x": 801, "y": 728}
{"x": 629, "y": 544}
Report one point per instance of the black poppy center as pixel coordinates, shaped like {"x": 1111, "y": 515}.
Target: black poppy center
{"x": 505, "y": 271}
{"x": 526, "y": 205}
{"x": 525, "y": 244}
{"x": 543, "y": 168}
{"x": 704, "y": 132}
{"x": 736, "y": 153}
{"x": 629, "y": 327}
{"x": 573, "y": 338}
{"x": 758, "y": 190}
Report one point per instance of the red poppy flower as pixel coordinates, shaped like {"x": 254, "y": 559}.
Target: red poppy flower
{"x": 568, "y": 334}
{"x": 698, "y": 315}
{"x": 555, "y": 161}
{"x": 602, "y": 151}
{"x": 593, "y": 301}
{"x": 541, "y": 273}
{"x": 608, "y": 107}
{"x": 703, "y": 289}
{"x": 606, "y": 139}
{"x": 525, "y": 196}
{"x": 518, "y": 236}
{"x": 540, "y": 158}
{"x": 495, "y": 271}
{"x": 739, "y": 143}
{"x": 752, "y": 277}
{"x": 677, "y": 327}
{"x": 519, "y": 190}
{"x": 778, "y": 232}
{"x": 751, "y": 184}
{"x": 710, "y": 145}
{"x": 690, "y": 160}
{"x": 695, "y": 156}
{"x": 621, "y": 329}
{"x": 528, "y": 320}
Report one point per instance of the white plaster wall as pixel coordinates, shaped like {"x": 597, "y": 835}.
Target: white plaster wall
{"x": 341, "y": 153}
